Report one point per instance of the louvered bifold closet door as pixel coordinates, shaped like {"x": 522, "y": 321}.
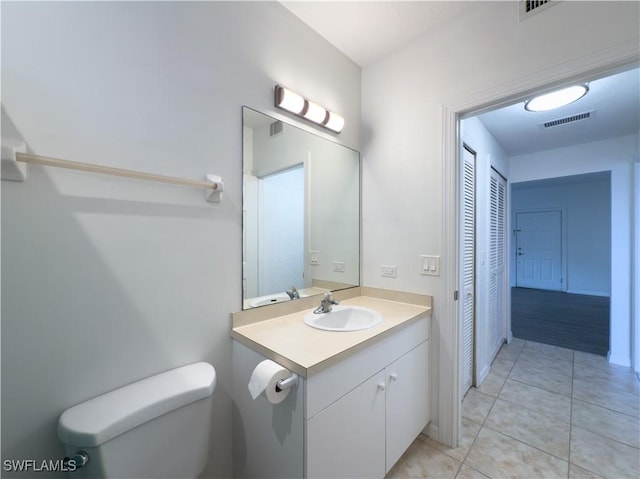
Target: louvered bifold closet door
{"x": 468, "y": 268}
{"x": 497, "y": 263}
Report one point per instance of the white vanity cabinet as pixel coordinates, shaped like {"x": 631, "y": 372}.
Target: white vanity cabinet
{"x": 363, "y": 432}
{"x": 352, "y": 414}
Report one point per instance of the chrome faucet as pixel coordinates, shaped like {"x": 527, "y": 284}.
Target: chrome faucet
{"x": 326, "y": 304}
{"x": 293, "y": 292}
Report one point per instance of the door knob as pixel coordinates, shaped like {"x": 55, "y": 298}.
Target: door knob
{"x": 382, "y": 386}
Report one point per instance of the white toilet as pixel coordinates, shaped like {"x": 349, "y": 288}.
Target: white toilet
{"x": 154, "y": 428}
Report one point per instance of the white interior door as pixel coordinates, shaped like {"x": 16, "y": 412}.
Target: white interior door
{"x": 539, "y": 250}
{"x": 497, "y": 263}
{"x": 468, "y": 267}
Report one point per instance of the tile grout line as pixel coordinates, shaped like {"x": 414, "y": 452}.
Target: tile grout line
{"x": 463, "y": 462}
{"x": 521, "y": 381}
{"x": 571, "y": 426}
{"x": 552, "y": 417}
{"x": 612, "y": 439}
{"x": 533, "y": 410}
{"x": 527, "y": 444}
{"x": 574, "y": 366}
{"x": 590, "y": 402}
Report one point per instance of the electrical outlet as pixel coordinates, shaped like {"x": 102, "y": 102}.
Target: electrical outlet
{"x": 314, "y": 257}
{"x": 338, "y": 266}
{"x": 430, "y": 265}
{"x": 389, "y": 271}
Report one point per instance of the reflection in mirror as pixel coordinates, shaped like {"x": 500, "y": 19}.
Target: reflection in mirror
{"x": 301, "y": 212}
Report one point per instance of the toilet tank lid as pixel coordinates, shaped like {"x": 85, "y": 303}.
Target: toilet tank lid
{"x": 100, "y": 419}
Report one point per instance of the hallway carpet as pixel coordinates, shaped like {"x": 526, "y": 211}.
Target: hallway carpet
{"x": 573, "y": 321}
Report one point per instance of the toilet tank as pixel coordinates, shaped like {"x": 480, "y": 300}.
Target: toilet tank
{"x": 158, "y": 427}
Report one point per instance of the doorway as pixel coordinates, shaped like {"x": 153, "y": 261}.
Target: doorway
{"x": 538, "y": 236}
{"x": 449, "y": 386}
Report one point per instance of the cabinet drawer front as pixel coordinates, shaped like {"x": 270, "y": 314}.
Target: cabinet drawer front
{"x": 328, "y": 385}
{"x": 347, "y": 439}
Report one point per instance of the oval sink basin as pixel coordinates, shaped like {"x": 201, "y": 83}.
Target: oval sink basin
{"x": 344, "y": 318}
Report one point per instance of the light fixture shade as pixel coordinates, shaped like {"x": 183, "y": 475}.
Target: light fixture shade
{"x": 289, "y": 100}
{"x": 315, "y": 113}
{"x": 557, "y": 98}
{"x": 335, "y": 122}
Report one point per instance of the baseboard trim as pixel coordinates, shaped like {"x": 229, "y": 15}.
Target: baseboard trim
{"x": 482, "y": 375}
{"x": 589, "y": 293}
{"x": 432, "y": 431}
{"x": 620, "y": 361}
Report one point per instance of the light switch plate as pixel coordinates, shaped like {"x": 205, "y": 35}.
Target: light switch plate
{"x": 430, "y": 265}
{"x": 314, "y": 257}
{"x": 338, "y": 266}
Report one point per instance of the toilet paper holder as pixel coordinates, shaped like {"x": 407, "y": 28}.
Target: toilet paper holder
{"x": 287, "y": 383}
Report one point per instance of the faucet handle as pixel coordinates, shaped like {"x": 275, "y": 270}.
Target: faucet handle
{"x": 328, "y": 296}
{"x": 293, "y": 292}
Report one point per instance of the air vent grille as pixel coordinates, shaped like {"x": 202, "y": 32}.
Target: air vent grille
{"x": 276, "y": 128}
{"x": 529, "y": 7}
{"x": 568, "y": 119}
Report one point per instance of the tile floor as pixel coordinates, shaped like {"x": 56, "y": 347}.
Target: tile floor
{"x": 542, "y": 412}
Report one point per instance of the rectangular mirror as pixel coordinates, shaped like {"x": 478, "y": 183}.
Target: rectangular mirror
{"x": 301, "y": 212}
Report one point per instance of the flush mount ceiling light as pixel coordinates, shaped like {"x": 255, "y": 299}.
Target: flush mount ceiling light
{"x": 556, "y": 99}
{"x": 294, "y": 103}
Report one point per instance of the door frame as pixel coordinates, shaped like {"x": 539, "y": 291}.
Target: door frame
{"x": 563, "y": 243}
{"x": 601, "y": 63}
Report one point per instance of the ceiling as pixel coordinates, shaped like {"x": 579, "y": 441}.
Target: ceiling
{"x": 367, "y": 31}
{"x": 613, "y": 104}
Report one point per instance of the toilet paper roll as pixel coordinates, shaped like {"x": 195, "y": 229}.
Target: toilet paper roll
{"x": 264, "y": 379}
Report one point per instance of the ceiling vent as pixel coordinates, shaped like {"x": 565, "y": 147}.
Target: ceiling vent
{"x": 529, "y": 7}
{"x": 568, "y": 119}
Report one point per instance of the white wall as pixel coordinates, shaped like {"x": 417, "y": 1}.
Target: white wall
{"x": 334, "y": 198}
{"x": 403, "y": 100}
{"x": 489, "y": 154}
{"x": 617, "y": 156}
{"x": 586, "y": 206}
{"x": 108, "y": 280}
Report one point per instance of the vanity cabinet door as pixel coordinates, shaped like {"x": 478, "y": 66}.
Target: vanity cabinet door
{"x": 347, "y": 439}
{"x": 407, "y": 399}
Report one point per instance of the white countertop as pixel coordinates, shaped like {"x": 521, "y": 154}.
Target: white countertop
{"x": 304, "y": 350}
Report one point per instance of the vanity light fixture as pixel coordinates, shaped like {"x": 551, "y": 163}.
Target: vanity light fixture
{"x": 556, "y": 99}
{"x": 291, "y": 101}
